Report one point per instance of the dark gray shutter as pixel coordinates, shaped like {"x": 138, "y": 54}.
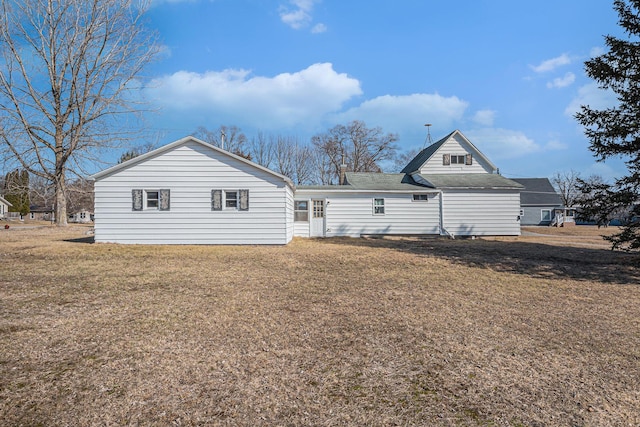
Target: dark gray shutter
{"x": 446, "y": 159}
{"x": 468, "y": 160}
{"x": 244, "y": 200}
{"x": 136, "y": 200}
{"x": 165, "y": 200}
{"x": 216, "y": 200}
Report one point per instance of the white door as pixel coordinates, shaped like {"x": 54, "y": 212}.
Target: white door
{"x": 317, "y": 218}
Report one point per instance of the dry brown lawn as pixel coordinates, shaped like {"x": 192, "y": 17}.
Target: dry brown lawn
{"x": 529, "y": 331}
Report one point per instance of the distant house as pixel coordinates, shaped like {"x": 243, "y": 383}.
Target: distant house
{"x": 83, "y": 216}
{"x": 539, "y": 201}
{"x": 41, "y": 213}
{"x": 4, "y": 207}
{"x": 190, "y": 192}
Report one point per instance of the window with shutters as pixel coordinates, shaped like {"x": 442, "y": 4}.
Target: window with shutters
{"x": 230, "y": 200}
{"x": 457, "y": 159}
{"x": 150, "y": 200}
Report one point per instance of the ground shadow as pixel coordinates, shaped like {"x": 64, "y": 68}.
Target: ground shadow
{"x": 88, "y": 239}
{"x": 531, "y": 259}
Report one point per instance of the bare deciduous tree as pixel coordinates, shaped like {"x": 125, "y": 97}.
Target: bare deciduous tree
{"x": 566, "y": 183}
{"x": 229, "y": 138}
{"x": 69, "y": 74}
{"x": 262, "y": 150}
{"x": 361, "y": 148}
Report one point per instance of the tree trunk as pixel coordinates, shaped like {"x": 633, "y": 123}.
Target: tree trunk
{"x": 61, "y": 201}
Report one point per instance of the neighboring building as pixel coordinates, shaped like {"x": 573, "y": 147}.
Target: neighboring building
{"x": 83, "y": 216}
{"x": 41, "y": 213}
{"x": 539, "y": 201}
{"x": 4, "y": 207}
{"x": 192, "y": 192}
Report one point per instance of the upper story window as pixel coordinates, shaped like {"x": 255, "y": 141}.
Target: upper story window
{"x": 457, "y": 159}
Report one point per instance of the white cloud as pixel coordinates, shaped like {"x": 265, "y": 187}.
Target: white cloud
{"x": 551, "y": 64}
{"x": 300, "y": 16}
{"x": 484, "y": 117}
{"x": 501, "y": 144}
{"x": 285, "y": 100}
{"x": 561, "y": 82}
{"x": 319, "y": 28}
{"x": 555, "y": 145}
{"x": 591, "y": 95}
{"x": 394, "y": 113}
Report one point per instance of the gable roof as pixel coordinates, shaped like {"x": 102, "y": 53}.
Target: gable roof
{"x": 110, "y": 171}
{"x": 538, "y": 191}
{"x": 423, "y": 156}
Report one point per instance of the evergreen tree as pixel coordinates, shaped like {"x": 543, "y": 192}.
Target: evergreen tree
{"x": 16, "y": 187}
{"x": 615, "y": 131}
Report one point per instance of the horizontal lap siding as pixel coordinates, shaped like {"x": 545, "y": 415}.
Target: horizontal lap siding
{"x": 481, "y": 212}
{"x": 352, "y": 215}
{"x": 191, "y": 171}
{"x": 455, "y": 145}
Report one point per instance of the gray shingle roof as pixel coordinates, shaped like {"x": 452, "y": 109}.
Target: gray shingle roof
{"x": 424, "y": 155}
{"x": 538, "y": 191}
{"x": 471, "y": 180}
{"x": 370, "y": 181}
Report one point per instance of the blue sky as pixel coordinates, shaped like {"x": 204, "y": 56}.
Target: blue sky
{"x": 508, "y": 74}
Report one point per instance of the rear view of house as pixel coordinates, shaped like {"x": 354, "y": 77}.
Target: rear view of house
{"x": 190, "y": 192}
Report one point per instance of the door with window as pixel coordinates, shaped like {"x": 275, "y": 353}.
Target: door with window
{"x": 317, "y": 218}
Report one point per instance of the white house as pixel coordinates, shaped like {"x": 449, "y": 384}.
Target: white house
{"x": 189, "y": 192}
{"x": 4, "y": 207}
{"x": 449, "y": 188}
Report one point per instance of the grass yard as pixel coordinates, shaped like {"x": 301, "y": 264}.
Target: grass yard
{"x": 540, "y": 330}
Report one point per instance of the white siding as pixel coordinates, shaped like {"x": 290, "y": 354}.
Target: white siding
{"x": 289, "y": 213}
{"x": 455, "y": 145}
{"x": 351, "y": 214}
{"x": 191, "y": 171}
{"x": 481, "y": 212}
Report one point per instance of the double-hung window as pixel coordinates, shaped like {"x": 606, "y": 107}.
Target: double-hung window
{"x": 150, "y": 200}
{"x": 231, "y": 199}
{"x": 301, "y": 211}
{"x": 378, "y": 206}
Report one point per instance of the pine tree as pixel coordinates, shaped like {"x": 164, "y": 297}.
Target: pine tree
{"x": 615, "y": 131}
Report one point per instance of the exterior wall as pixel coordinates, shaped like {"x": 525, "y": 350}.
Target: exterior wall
{"x": 289, "y": 213}
{"x": 351, "y": 214}
{"x": 4, "y": 208}
{"x": 532, "y": 215}
{"x": 455, "y": 145}
{"x": 481, "y": 212}
{"x": 190, "y": 171}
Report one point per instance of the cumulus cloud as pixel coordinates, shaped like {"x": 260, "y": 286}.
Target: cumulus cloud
{"x": 394, "y": 113}
{"x": 284, "y": 100}
{"x": 484, "y": 117}
{"x": 561, "y": 82}
{"x": 299, "y": 16}
{"x": 551, "y": 64}
{"x": 591, "y": 95}
{"x": 502, "y": 144}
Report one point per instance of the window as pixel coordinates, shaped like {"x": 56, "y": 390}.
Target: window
{"x": 457, "y": 159}
{"x": 152, "y": 199}
{"x": 301, "y": 211}
{"x": 545, "y": 215}
{"x": 378, "y": 206}
{"x": 231, "y": 199}
{"x": 318, "y": 208}
{"x": 420, "y": 197}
